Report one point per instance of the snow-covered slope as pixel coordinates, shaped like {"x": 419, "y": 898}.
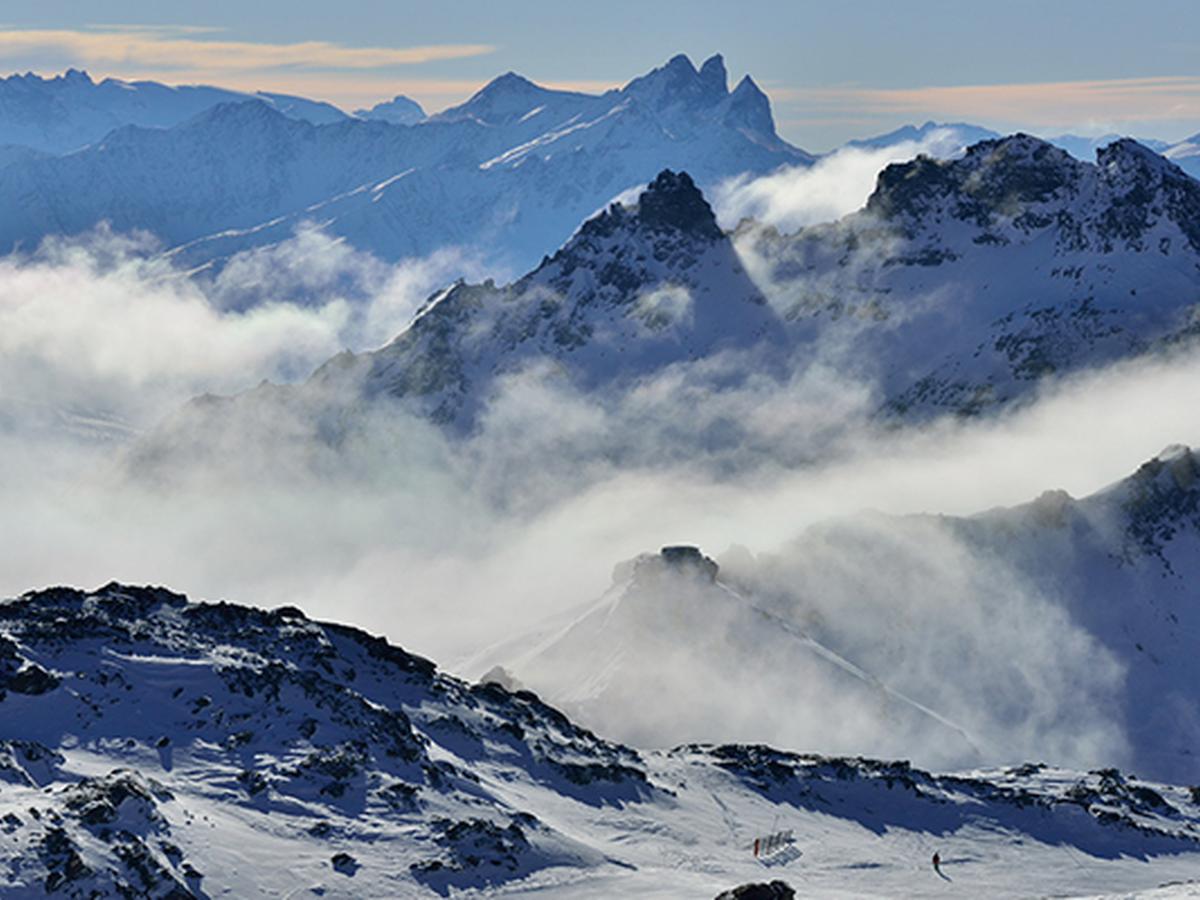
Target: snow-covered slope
{"x": 510, "y": 173}
{"x": 670, "y": 654}
{"x": 227, "y": 167}
{"x": 69, "y": 111}
{"x": 154, "y": 747}
{"x": 1015, "y": 590}
{"x": 1059, "y": 627}
{"x": 1126, "y": 562}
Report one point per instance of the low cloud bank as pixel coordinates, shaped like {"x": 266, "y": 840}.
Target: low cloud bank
{"x": 446, "y": 545}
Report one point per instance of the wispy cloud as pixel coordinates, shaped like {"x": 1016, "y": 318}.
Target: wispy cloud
{"x": 1053, "y": 104}
{"x": 189, "y": 54}
{"x": 137, "y": 47}
{"x": 838, "y": 184}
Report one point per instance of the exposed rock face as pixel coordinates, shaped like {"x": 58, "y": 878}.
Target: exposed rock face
{"x": 1160, "y": 500}
{"x": 677, "y": 560}
{"x": 690, "y": 560}
{"x": 1024, "y": 184}
{"x": 773, "y": 890}
{"x": 672, "y": 202}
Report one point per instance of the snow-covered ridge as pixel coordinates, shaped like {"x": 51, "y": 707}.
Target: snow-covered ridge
{"x": 169, "y": 749}
{"x": 959, "y": 135}
{"x": 1015, "y": 263}
{"x": 512, "y": 171}
{"x": 69, "y": 111}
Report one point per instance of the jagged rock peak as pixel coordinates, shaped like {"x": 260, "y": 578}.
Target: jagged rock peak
{"x": 673, "y": 202}
{"x": 670, "y": 204}
{"x": 762, "y": 890}
{"x": 750, "y": 107}
{"x": 1128, "y": 150}
{"x": 677, "y": 559}
{"x": 713, "y": 75}
{"x": 678, "y": 82}
{"x": 1175, "y": 467}
{"x": 1018, "y": 168}
{"x": 70, "y": 76}
{"x": 1127, "y": 163}
{"x": 1019, "y": 148}
{"x": 680, "y": 62}
{"x": 509, "y": 82}
{"x": 684, "y": 557}
{"x": 76, "y": 76}
{"x": 504, "y": 99}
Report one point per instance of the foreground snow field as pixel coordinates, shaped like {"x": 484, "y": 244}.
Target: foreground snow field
{"x": 154, "y": 747}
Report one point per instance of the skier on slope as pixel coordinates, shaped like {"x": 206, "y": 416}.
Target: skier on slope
{"x": 937, "y": 862}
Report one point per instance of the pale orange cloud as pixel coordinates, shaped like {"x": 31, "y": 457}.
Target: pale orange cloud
{"x": 349, "y": 77}
{"x": 138, "y": 47}
{"x": 1039, "y": 104}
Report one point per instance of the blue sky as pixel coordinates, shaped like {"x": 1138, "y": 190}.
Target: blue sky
{"x": 833, "y": 70}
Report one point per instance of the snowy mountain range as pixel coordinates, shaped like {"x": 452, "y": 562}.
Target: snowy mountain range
{"x": 1016, "y": 261}
{"x": 155, "y": 747}
{"x": 946, "y": 139}
{"x": 511, "y": 172}
{"x": 68, "y": 112}
{"x": 961, "y": 134}
{"x": 400, "y": 110}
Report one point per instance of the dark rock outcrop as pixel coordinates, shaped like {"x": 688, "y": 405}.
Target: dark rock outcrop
{"x": 762, "y": 890}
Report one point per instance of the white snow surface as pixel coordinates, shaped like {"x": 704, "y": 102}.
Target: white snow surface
{"x": 153, "y": 747}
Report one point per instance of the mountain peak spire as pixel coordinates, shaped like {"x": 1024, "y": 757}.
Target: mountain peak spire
{"x": 713, "y": 75}
{"x": 672, "y": 201}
